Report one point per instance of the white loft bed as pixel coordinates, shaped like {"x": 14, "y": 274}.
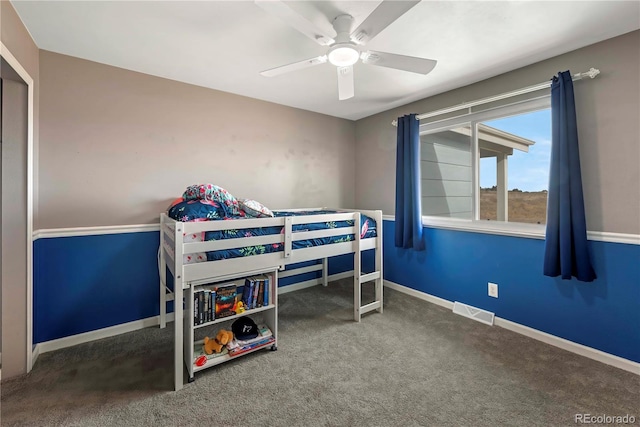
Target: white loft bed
{"x": 173, "y": 248}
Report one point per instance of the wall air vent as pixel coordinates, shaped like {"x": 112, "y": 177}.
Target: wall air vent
{"x": 473, "y": 313}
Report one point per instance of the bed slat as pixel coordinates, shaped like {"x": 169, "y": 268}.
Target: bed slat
{"x": 311, "y": 219}
{"x": 215, "y": 245}
{"x": 232, "y": 224}
{"x": 319, "y": 234}
{"x": 300, "y": 270}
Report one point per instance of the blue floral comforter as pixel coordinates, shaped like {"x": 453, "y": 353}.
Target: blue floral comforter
{"x": 368, "y": 229}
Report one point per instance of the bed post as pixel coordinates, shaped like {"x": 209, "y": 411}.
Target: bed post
{"x": 178, "y": 318}
{"x": 357, "y": 269}
{"x": 163, "y": 277}
{"x": 325, "y": 272}
{"x": 379, "y": 260}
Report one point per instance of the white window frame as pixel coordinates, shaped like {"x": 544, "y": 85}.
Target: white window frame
{"x": 519, "y": 229}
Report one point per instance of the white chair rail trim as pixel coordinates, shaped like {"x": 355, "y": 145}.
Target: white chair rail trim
{"x": 532, "y": 231}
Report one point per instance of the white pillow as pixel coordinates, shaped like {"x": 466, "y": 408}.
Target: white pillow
{"x": 254, "y": 209}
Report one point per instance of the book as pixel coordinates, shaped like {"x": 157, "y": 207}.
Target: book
{"x": 260, "y": 299}
{"x": 266, "y": 289}
{"x": 212, "y": 301}
{"x": 256, "y": 287}
{"x": 263, "y": 334}
{"x": 247, "y": 293}
{"x": 200, "y": 307}
{"x": 264, "y": 331}
{"x": 205, "y": 293}
{"x": 225, "y": 301}
{"x": 196, "y": 315}
{"x": 262, "y": 343}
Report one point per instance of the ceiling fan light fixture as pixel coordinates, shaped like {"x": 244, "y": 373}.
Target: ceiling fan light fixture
{"x": 343, "y": 55}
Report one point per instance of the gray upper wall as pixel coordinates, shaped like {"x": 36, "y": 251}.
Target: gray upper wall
{"x": 118, "y": 146}
{"x": 608, "y": 111}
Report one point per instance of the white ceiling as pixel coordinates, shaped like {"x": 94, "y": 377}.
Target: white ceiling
{"x": 225, "y": 44}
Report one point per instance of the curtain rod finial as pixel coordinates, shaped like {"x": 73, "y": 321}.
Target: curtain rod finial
{"x": 593, "y": 72}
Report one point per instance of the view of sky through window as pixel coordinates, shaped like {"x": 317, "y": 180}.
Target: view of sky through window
{"x": 527, "y": 171}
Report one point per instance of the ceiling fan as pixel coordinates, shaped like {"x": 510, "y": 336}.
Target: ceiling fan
{"x": 345, "y": 48}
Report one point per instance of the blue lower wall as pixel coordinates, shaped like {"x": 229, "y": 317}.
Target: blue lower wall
{"x": 86, "y": 283}
{"x": 457, "y": 265}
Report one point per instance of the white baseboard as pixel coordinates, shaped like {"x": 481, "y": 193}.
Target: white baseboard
{"x": 111, "y": 331}
{"x": 420, "y": 295}
{"x": 34, "y": 354}
{"x": 582, "y": 350}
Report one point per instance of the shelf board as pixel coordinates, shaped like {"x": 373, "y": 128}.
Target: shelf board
{"x": 235, "y": 316}
{"x": 221, "y": 359}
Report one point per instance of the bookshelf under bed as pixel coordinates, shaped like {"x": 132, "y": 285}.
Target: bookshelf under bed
{"x": 300, "y": 239}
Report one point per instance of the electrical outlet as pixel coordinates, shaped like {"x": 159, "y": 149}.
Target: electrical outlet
{"x": 493, "y": 290}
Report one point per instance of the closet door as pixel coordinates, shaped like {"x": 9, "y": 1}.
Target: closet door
{"x": 14, "y": 226}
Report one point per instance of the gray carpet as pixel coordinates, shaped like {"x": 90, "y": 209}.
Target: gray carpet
{"x": 416, "y": 364}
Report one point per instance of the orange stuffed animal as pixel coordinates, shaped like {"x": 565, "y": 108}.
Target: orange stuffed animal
{"x": 215, "y": 345}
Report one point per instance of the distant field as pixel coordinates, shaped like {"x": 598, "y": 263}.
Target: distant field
{"x": 524, "y": 206}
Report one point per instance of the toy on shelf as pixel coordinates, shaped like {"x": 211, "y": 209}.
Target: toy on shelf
{"x": 239, "y": 307}
{"x": 216, "y": 344}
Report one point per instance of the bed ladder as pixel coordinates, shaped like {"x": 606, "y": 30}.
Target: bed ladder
{"x": 359, "y": 278}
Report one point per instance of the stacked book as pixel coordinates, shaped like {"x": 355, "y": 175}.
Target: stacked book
{"x": 256, "y": 291}
{"x": 265, "y": 337}
{"x": 214, "y": 302}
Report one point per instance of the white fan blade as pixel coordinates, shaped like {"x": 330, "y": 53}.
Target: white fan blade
{"x": 345, "y": 82}
{"x": 399, "y": 62}
{"x": 297, "y": 21}
{"x": 383, "y": 15}
{"x": 295, "y": 66}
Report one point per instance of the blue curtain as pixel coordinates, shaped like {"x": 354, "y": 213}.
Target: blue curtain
{"x": 566, "y": 251}
{"x": 408, "y": 194}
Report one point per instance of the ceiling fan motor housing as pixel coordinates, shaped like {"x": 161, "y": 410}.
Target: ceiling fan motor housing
{"x": 343, "y": 52}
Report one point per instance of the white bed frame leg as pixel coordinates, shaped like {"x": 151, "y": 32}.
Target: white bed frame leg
{"x": 325, "y": 272}
{"x": 357, "y": 270}
{"x": 379, "y": 261}
{"x": 163, "y": 278}
{"x": 178, "y": 320}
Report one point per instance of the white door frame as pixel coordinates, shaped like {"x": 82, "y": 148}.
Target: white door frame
{"x": 15, "y": 64}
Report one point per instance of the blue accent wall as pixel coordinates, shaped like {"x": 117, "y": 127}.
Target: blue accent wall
{"x": 456, "y": 266}
{"x": 86, "y": 283}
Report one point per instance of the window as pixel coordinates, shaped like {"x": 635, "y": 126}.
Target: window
{"x": 491, "y": 165}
